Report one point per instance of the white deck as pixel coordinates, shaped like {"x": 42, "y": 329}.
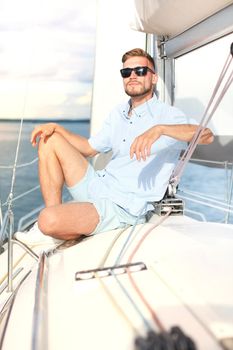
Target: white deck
{"x": 188, "y": 282}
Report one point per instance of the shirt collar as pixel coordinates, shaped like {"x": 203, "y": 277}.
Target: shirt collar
{"x": 140, "y": 110}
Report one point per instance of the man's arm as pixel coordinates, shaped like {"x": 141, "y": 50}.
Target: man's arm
{"x": 44, "y": 131}
{"x": 141, "y": 146}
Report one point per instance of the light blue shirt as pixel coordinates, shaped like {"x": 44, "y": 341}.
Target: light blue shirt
{"x": 128, "y": 182}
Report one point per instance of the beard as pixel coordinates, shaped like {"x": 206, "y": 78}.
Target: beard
{"x": 137, "y": 91}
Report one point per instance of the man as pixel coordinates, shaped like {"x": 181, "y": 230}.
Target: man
{"x": 145, "y": 137}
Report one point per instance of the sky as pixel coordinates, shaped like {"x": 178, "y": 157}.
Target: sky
{"x": 47, "y": 51}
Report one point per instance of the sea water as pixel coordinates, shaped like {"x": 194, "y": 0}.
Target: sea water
{"x": 203, "y": 180}
{"x": 26, "y": 176}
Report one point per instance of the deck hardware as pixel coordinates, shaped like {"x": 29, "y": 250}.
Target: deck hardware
{"x": 175, "y": 338}
{"x": 26, "y": 248}
{"x": 162, "y": 46}
{"x": 5, "y": 284}
{"x": 176, "y": 205}
{"x": 108, "y": 271}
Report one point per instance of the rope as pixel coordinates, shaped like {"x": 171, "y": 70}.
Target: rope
{"x": 115, "y": 304}
{"x": 124, "y": 247}
{"x": 110, "y": 295}
{"x": 108, "y": 251}
{"x": 175, "y": 178}
{"x": 133, "y": 303}
{"x": 137, "y": 289}
{"x": 123, "y": 289}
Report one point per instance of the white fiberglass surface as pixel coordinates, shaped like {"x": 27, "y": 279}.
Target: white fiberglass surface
{"x": 196, "y": 75}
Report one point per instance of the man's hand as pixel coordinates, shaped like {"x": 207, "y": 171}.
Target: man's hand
{"x": 141, "y": 146}
{"x": 42, "y": 131}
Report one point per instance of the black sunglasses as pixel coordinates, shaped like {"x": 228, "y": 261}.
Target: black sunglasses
{"x": 140, "y": 71}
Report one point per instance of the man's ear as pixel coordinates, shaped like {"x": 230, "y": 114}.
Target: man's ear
{"x": 155, "y": 79}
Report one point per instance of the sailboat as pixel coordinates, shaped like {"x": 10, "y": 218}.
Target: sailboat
{"x": 166, "y": 284}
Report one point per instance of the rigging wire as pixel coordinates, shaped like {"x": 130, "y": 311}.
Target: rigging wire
{"x": 207, "y": 198}
{"x": 11, "y": 194}
{"x": 227, "y": 210}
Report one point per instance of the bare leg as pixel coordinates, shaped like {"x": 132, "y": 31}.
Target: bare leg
{"x": 59, "y": 163}
{"x": 69, "y": 220}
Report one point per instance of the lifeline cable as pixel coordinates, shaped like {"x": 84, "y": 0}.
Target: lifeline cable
{"x": 22, "y": 195}
{"x": 224, "y": 206}
{"x": 177, "y": 172}
{"x": 19, "y": 165}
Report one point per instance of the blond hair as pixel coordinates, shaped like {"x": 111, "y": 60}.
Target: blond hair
{"x": 137, "y": 52}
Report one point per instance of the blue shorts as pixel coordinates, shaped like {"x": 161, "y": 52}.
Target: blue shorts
{"x": 111, "y": 215}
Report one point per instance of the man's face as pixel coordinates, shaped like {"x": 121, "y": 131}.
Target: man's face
{"x": 135, "y": 85}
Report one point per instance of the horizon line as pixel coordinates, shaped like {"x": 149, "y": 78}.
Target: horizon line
{"x": 45, "y": 119}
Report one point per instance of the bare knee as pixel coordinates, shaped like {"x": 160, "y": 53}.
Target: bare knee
{"x": 47, "y": 221}
{"x": 49, "y": 145}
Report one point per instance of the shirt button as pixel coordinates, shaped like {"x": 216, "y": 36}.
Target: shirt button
{"x": 123, "y": 140}
{"x": 131, "y": 122}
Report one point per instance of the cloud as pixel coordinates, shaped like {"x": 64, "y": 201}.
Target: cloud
{"x": 63, "y": 14}
{"x": 47, "y": 43}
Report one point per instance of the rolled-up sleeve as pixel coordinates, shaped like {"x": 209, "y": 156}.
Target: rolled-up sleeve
{"x": 101, "y": 142}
